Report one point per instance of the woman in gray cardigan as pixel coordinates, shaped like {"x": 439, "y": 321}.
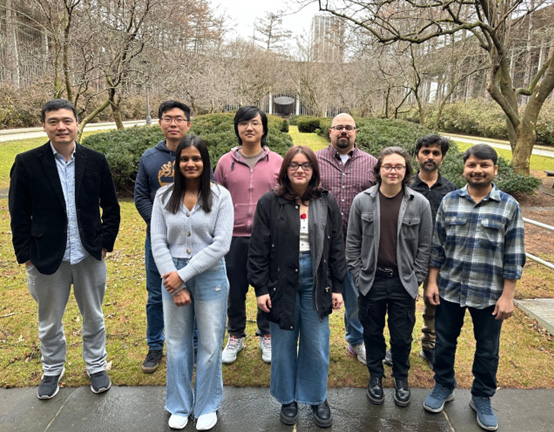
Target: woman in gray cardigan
{"x": 191, "y": 228}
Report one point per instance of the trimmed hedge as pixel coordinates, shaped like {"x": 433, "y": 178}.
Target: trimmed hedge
{"x": 123, "y": 148}
{"x": 308, "y": 124}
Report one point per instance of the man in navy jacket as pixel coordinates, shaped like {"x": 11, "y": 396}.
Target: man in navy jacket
{"x": 156, "y": 169}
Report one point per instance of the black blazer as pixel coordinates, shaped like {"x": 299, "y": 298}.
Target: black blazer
{"x": 38, "y": 213}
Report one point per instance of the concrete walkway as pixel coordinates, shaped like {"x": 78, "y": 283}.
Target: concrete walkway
{"x": 505, "y": 145}
{"x": 37, "y": 132}
{"x": 137, "y": 409}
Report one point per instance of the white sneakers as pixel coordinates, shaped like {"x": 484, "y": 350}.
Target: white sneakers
{"x": 236, "y": 344}
{"x": 177, "y": 421}
{"x": 265, "y": 346}
{"x": 233, "y": 347}
{"x": 203, "y": 423}
{"x": 358, "y": 351}
{"x": 206, "y": 421}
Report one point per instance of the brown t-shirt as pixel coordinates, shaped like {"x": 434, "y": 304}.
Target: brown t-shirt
{"x": 389, "y": 209}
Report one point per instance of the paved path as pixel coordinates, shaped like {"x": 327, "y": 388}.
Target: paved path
{"x": 37, "y": 132}
{"x": 137, "y": 409}
{"x": 537, "y": 150}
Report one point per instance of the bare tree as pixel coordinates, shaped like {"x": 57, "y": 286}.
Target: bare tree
{"x": 272, "y": 32}
{"x": 492, "y": 24}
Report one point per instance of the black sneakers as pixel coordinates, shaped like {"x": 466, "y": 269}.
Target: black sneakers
{"x": 152, "y": 361}
{"x": 100, "y": 382}
{"x": 49, "y": 386}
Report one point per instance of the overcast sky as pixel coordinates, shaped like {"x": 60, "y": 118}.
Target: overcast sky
{"x": 243, "y": 14}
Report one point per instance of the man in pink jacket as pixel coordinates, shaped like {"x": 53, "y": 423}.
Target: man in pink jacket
{"x": 247, "y": 171}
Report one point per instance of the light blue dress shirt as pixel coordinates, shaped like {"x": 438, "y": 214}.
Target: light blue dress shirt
{"x": 74, "y": 249}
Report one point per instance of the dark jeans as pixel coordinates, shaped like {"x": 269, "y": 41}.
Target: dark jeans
{"x": 154, "y": 305}
{"x": 449, "y": 320}
{"x": 236, "y": 260}
{"x": 387, "y": 295}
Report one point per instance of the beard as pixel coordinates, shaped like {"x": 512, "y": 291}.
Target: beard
{"x": 483, "y": 184}
{"x": 343, "y": 142}
{"x": 429, "y": 166}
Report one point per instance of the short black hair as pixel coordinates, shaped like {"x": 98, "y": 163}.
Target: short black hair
{"x": 170, "y": 104}
{"x": 481, "y": 151}
{"x": 55, "y": 105}
{"x": 433, "y": 139}
{"x": 394, "y": 150}
{"x": 246, "y": 113}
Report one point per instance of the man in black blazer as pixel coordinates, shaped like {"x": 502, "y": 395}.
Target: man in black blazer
{"x": 61, "y": 237}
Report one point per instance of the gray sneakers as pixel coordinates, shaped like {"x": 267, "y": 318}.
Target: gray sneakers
{"x": 233, "y": 347}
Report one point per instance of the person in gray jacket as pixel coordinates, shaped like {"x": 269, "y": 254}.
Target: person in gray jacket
{"x": 387, "y": 251}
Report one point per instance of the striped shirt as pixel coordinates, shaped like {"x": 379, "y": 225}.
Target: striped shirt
{"x": 345, "y": 180}
{"x": 477, "y": 246}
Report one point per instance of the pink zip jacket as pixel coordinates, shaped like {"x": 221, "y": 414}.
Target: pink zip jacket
{"x": 247, "y": 185}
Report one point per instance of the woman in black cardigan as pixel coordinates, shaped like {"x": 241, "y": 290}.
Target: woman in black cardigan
{"x": 296, "y": 265}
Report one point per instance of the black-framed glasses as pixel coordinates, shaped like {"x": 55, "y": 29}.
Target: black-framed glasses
{"x": 397, "y": 168}
{"x": 306, "y": 166}
{"x": 348, "y": 128}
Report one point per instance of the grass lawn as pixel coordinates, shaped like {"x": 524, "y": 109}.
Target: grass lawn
{"x": 537, "y": 163}
{"x": 526, "y": 358}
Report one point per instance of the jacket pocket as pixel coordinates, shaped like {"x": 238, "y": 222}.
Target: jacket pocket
{"x": 410, "y": 227}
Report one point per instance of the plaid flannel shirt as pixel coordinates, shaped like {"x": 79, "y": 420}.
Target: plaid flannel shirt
{"x": 477, "y": 246}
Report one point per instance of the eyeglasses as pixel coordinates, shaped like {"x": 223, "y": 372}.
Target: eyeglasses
{"x": 177, "y": 120}
{"x": 397, "y": 168}
{"x": 349, "y": 128}
{"x": 306, "y": 166}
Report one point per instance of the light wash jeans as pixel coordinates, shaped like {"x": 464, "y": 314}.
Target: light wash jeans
{"x": 209, "y": 292}
{"x": 302, "y": 376}
{"x": 354, "y": 329}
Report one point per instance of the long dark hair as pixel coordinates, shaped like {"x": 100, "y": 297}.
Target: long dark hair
{"x": 178, "y": 188}
{"x": 284, "y": 187}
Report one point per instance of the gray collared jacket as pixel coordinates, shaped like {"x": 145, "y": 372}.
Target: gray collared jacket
{"x": 415, "y": 228}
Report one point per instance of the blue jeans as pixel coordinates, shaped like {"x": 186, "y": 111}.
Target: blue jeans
{"x": 302, "y": 376}
{"x": 354, "y": 329}
{"x": 449, "y": 320}
{"x": 209, "y": 292}
{"x": 154, "y": 305}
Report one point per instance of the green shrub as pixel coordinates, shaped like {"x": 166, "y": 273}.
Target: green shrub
{"x": 293, "y": 120}
{"x": 308, "y": 124}
{"x": 375, "y": 134}
{"x": 484, "y": 118}
{"x": 123, "y": 148}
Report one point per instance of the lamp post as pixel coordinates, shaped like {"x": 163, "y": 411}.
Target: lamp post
{"x": 148, "y": 118}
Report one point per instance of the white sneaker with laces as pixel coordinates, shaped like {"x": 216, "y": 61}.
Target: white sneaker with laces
{"x": 233, "y": 347}
{"x": 265, "y": 346}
